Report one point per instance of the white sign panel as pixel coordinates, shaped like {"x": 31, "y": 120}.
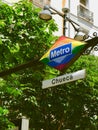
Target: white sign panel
{"x": 64, "y": 79}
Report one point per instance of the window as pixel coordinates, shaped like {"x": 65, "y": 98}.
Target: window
{"x": 84, "y": 12}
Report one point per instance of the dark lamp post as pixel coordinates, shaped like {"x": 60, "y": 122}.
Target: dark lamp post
{"x": 46, "y": 14}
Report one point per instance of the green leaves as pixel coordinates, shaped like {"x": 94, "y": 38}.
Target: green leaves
{"x": 5, "y": 123}
{"x": 23, "y": 34}
{"x": 3, "y": 111}
{"x": 23, "y": 37}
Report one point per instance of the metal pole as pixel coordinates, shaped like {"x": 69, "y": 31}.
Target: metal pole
{"x": 64, "y": 25}
{"x": 59, "y": 13}
{"x": 25, "y": 123}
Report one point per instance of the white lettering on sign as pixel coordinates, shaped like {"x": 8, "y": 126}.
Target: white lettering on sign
{"x": 64, "y": 79}
{"x": 60, "y": 51}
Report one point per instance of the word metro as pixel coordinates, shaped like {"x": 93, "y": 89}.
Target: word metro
{"x": 60, "y": 51}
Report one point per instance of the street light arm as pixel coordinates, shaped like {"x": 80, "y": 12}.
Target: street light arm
{"x": 70, "y": 20}
{"x": 32, "y": 63}
{"x": 65, "y": 17}
{"x": 62, "y": 14}
{"x": 58, "y": 12}
{"x": 73, "y": 24}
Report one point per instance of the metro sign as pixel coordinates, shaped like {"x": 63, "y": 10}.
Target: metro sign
{"x": 62, "y": 53}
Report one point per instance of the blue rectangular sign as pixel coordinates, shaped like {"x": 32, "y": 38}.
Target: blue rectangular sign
{"x": 61, "y": 51}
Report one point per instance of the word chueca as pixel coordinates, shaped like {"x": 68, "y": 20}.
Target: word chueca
{"x": 61, "y": 80}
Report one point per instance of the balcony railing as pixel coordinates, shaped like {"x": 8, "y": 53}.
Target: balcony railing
{"x": 84, "y": 13}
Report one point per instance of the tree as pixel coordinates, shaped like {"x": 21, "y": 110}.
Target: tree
{"x": 23, "y": 38}
{"x": 81, "y": 112}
